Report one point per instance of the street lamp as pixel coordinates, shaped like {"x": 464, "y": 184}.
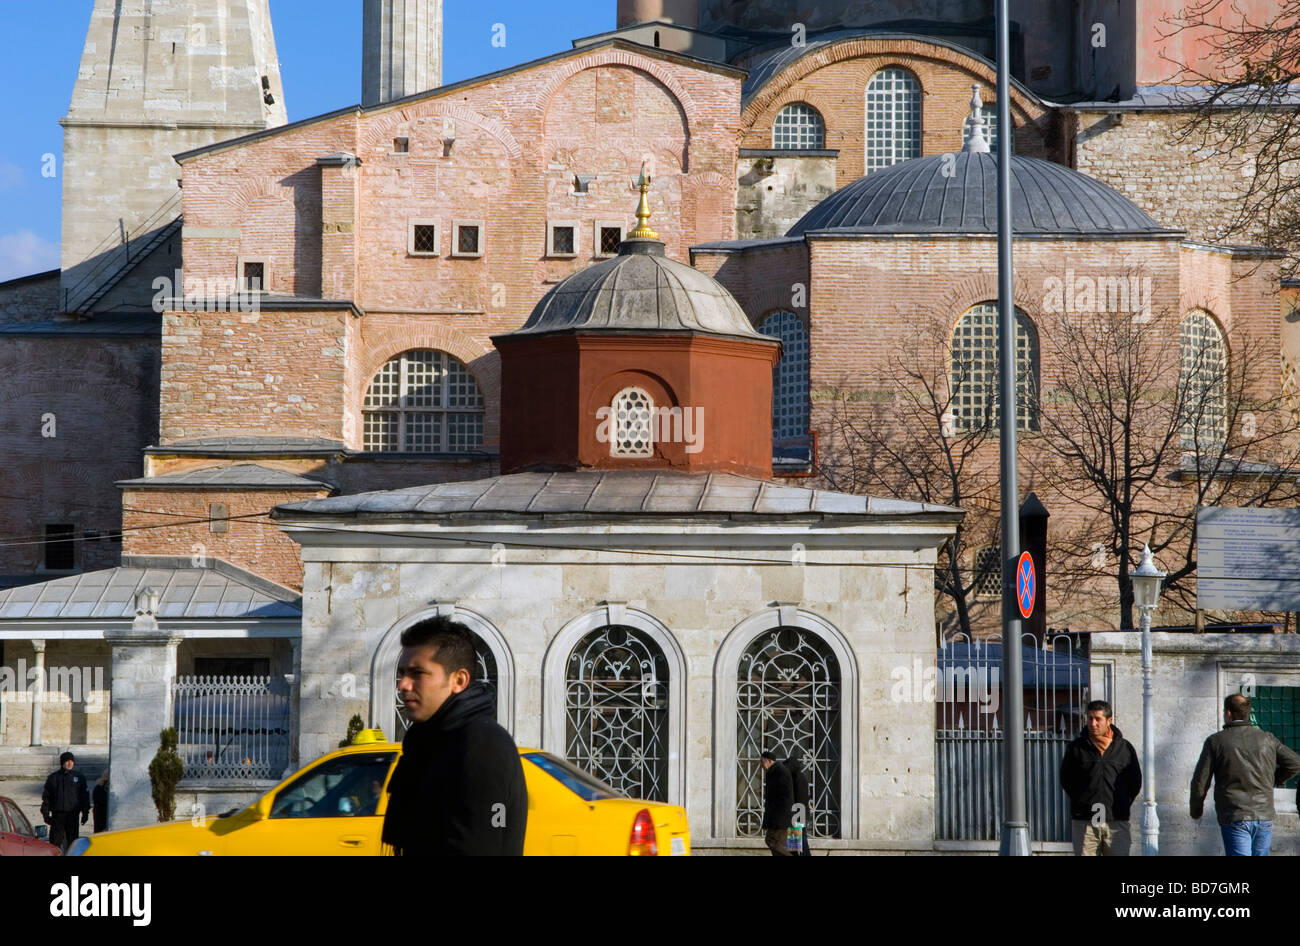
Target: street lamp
{"x": 1146, "y": 593}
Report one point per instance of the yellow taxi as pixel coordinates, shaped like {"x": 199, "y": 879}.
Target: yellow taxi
{"x": 336, "y": 806}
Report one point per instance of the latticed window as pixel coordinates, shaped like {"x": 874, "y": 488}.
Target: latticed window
{"x": 1290, "y": 386}
{"x": 423, "y": 401}
{"x": 990, "y": 115}
{"x": 634, "y": 413}
{"x": 988, "y": 572}
{"x": 788, "y": 701}
{"x": 1203, "y": 381}
{"x": 616, "y": 710}
{"x": 798, "y": 126}
{"x": 893, "y": 118}
{"x": 485, "y": 668}
{"x": 973, "y": 371}
{"x": 790, "y": 404}
{"x": 1277, "y": 710}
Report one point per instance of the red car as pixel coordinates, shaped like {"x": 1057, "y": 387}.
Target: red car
{"x": 18, "y": 838}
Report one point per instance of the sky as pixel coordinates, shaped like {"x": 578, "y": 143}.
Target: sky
{"x": 319, "y": 45}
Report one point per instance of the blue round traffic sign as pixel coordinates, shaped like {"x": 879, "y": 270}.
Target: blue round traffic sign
{"x": 1026, "y": 585}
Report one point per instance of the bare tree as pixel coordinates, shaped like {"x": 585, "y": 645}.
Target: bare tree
{"x": 1242, "y": 90}
{"x": 1142, "y": 426}
{"x": 899, "y": 440}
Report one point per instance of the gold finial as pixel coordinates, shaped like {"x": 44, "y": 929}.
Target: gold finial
{"x": 643, "y": 231}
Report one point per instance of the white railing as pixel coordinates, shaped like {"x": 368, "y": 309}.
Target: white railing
{"x": 232, "y": 727}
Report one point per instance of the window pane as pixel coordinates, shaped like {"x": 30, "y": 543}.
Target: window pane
{"x": 254, "y": 276}
{"x": 467, "y": 239}
{"x": 633, "y": 413}
{"x": 424, "y": 375}
{"x": 798, "y": 125}
{"x": 346, "y": 787}
{"x": 790, "y": 404}
{"x": 464, "y": 432}
{"x": 974, "y": 370}
{"x": 893, "y": 118}
{"x": 1277, "y": 710}
{"x": 382, "y": 431}
{"x": 60, "y": 550}
{"x": 610, "y": 238}
{"x": 1203, "y": 382}
{"x": 562, "y": 239}
{"x": 423, "y": 433}
{"x": 426, "y": 238}
{"x": 383, "y": 390}
{"x": 988, "y": 572}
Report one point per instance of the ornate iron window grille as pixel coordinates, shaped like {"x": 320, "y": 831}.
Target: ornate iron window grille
{"x": 788, "y": 700}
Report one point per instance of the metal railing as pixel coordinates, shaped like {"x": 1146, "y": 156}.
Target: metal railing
{"x": 118, "y": 251}
{"x": 232, "y": 727}
{"x": 969, "y": 742}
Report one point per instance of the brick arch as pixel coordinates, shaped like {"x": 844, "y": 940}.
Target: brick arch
{"x": 541, "y": 99}
{"x": 961, "y": 295}
{"x": 893, "y": 52}
{"x": 381, "y": 127}
{"x": 811, "y": 97}
{"x": 256, "y": 188}
{"x": 1219, "y": 323}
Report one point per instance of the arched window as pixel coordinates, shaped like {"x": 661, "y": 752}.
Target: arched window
{"x": 788, "y": 701}
{"x": 893, "y": 118}
{"x": 1202, "y": 381}
{"x": 485, "y": 668}
{"x": 616, "y": 702}
{"x": 790, "y": 404}
{"x": 798, "y": 126}
{"x": 423, "y": 401}
{"x": 974, "y": 370}
{"x": 634, "y": 412}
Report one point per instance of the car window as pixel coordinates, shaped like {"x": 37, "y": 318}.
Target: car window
{"x": 583, "y": 784}
{"x": 19, "y": 821}
{"x": 5, "y": 827}
{"x": 346, "y": 787}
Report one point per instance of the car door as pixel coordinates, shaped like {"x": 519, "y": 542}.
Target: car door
{"x": 334, "y": 807}
{"x": 12, "y": 844}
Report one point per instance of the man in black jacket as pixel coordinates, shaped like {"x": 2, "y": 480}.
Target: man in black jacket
{"x": 459, "y": 786}
{"x": 65, "y": 797}
{"x": 778, "y": 799}
{"x": 1101, "y": 774}
{"x": 1245, "y": 763}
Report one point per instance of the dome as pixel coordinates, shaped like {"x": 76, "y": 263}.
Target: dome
{"x": 957, "y": 193}
{"x": 639, "y": 290}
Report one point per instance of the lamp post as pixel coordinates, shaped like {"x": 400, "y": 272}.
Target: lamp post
{"x": 1146, "y": 593}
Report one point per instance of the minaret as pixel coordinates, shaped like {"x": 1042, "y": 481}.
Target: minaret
{"x": 401, "y": 49}
{"x": 156, "y": 79}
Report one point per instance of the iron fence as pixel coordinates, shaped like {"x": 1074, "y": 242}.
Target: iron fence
{"x": 232, "y": 727}
{"x": 968, "y": 738}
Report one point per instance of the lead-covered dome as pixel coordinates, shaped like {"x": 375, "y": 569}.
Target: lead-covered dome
{"x": 958, "y": 193}
{"x": 637, "y": 291}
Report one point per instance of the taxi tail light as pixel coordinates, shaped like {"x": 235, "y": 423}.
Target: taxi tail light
{"x": 643, "y": 842}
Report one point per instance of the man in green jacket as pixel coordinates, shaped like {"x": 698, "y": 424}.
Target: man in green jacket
{"x": 1245, "y": 763}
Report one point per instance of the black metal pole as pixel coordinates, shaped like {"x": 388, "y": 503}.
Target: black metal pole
{"x": 1015, "y": 823}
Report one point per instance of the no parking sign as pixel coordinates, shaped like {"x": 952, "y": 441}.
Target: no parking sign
{"x": 1026, "y": 585}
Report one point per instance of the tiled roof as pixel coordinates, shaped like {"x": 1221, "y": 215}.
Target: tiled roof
{"x": 958, "y": 193}
{"x": 250, "y": 446}
{"x": 218, "y": 591}
{"x": 236, "y": 476}
{"x": 607, "y": 493}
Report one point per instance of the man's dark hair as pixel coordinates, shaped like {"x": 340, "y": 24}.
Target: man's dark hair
{"x": 1237, "y": 706}
{"x": 1100, "y": 706}
{"x": 452, "y": 643}
{"x": 765, "y": 754}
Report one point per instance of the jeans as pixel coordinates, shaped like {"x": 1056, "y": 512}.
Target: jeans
{"x": 1247, "y": 838}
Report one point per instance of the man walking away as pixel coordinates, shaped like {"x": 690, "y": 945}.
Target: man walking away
{"x": 1101, "y": 774}
{"x": 65, "y": 797}
{"x": 1245, "y": 763}
{"x": 778, "y": 799}
{"x": 802, "y": 799}
{"x": 459, "y": 786}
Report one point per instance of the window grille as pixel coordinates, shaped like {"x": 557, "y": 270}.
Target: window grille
{"x": 798, "y": 126}
{"x": 893, "y": 118}
{"x": 423, "y": 401}
{"x": 634, "y": 413}
{"x": 790, "y": 404}
{"x": 988, "y": 572}
{"x": 974, "y": 370}
{"x": 1202, "y": 382}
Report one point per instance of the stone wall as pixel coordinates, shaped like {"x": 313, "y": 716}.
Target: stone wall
{"x": 1192, "y": 675}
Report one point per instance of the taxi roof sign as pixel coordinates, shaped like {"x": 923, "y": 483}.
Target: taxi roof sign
{"x": 368, "y": 736}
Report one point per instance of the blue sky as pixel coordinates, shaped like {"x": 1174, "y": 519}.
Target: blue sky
{"x": 319, "y": 43}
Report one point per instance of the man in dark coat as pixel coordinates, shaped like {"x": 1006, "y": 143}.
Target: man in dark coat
{"x": 802, "y": 799}
{"x": 1245, "y": 764}
{"x": 459, "y": 786}
{"x": 1101, "y": 774}
{"x": 778, "y": 799}
{"x": 65, "y": 796}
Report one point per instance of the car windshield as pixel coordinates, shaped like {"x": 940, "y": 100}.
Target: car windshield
{"x": 348, "y": 786}
{"x": 19, "y": 820}
{"x": 583, "y": 784}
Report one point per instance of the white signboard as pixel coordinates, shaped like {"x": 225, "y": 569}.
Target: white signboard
{"x": 1247, "y": 559}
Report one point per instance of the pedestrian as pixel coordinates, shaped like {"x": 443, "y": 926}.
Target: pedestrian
{"x": 63, "y": 798}
{"x": 802, "y": 799}
{"x": 778, "y": 802}
{"x": 1101, "y": 775}
{"x": 99, "y": 802}
{"x": 459, "y": 785}
{"x": 1245, "y": 763}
